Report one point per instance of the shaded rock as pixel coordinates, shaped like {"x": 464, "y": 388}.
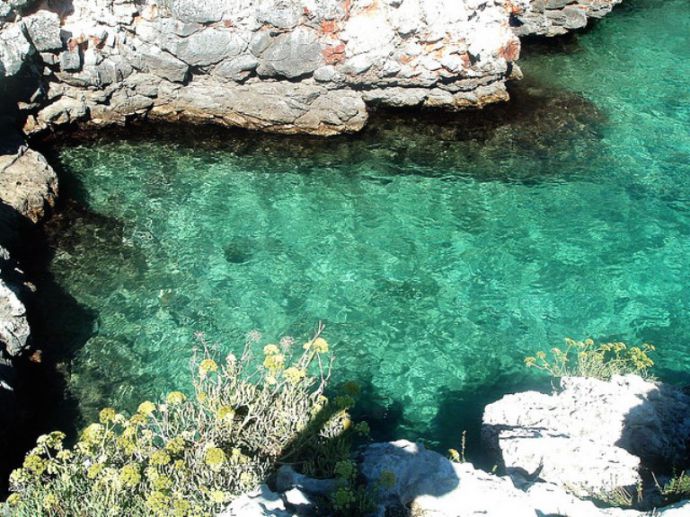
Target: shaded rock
{"x": 236, "y": 69}
{"x": 592, "y": 437}
{"x": 288, "y": 479}
{"x": 70, "y": 60}
{"x": 64, "y": 110}
{"x": 680, "y": 509}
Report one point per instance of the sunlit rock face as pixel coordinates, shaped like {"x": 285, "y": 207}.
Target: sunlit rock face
{"x": 278, "y": 65}
{"x": 289, "y": 66}
{"x": 594, "y": 436}
{"x": 555, "y": 17}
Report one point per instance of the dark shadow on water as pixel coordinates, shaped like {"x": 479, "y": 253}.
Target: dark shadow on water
{"x": 540, "y": 135}
{"x": 384, "y": 415}
{"x": 59, "y": 326}
{"x": 462, "y": 410}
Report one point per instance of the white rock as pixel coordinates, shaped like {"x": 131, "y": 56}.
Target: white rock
{"x": 592, "y": 436}
{"x": 14, "y": 329}
{"x": 431, "y": 485}
{"x": 261, "y": 502}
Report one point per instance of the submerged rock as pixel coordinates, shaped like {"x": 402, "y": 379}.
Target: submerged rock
{"x": 593, "y": 436}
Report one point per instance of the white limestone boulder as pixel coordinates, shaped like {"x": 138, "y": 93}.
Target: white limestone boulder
{"x": 592, "y": 436}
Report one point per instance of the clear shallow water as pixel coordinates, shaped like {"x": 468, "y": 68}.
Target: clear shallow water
{"x": 437, "y": 255}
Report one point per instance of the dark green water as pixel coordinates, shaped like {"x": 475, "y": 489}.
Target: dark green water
{"x": 437, "y": 254}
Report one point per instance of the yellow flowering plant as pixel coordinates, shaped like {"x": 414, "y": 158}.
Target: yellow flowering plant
{"x": 191, "y": 455}
{"x": 588, "y": 359}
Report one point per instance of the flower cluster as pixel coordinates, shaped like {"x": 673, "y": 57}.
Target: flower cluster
{"x": 587, "y": 359}
{"x": 192, "y": 454}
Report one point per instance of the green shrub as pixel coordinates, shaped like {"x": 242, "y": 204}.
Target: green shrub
{"x": 191, "y": 455}
{"x": 677, "y": 488}
{"x": 587, "y": 359}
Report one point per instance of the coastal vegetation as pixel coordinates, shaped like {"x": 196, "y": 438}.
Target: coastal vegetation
{"x": 588, "y": 359}
{"x": 190, "y": 454}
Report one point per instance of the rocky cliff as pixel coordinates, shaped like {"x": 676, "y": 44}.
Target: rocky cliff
{"x": 308, "y": 66}
{"x": 556, "y": 17}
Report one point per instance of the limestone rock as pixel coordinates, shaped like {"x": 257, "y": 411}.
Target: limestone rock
{"x": 208, "y": 47}
{"x": 14, "y": 329}
{"x": 208, "y": 11}
{"x": 151, "y": 59}
{"x": 680, "y": 509}
{"x": 43, "y": 28}
{"x": 592, "y": 437}
{"x": 70, "y": 60}
{"x": 556, "y": 17}
{"x": 15, "y": 50}
{"x": 27, "y": 183}
{"x": 292, "y": 55}
{"x": 284, "y": 14}
{"x": 287, "y": 479}
{"x": 261, "y": 502}
{"x": 549, "y": 499}
{"x": 273, "y": 107}
{"x": 432, "y": 485}
{"x": 449, "y": 54}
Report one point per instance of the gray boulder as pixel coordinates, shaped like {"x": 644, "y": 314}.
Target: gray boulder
{"x": 206, "y": 11}
{"x": 236, "y": 69}
{"x": 556, "y": 17}
{"x": 151, "y": 59}
{"x": 292, "y": 55}
{"x": 411, "y": 476}
{"x": 208, "y": 47}
{"x": 261, "y": 502}
{"x": 591, "y": 437}
{"x": 27, "y": 183}
{"x": 70, "y": 60}
{"x": 14, "y": 328}
{"x": 15, "y": 50}
{"x": 44, "y": 30}
{"x": 284, "y": 14}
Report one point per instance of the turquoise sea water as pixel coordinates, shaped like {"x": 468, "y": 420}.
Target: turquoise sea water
{"x": 437, "y": 253}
